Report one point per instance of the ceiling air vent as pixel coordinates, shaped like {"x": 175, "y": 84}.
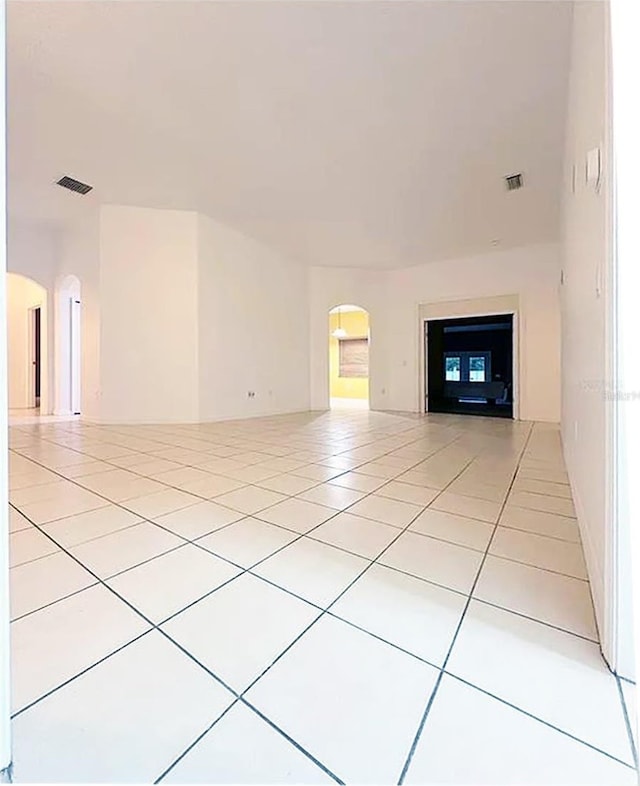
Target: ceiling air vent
{"x": 514, "y": 182}
{"x": 74, "y": 185}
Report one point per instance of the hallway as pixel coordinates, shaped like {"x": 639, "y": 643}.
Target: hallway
{"x": 349, "y": 596}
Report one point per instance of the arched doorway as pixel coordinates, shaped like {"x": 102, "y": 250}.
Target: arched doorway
{"x": 68, "y": 346}
{"x": 349, "y": 338}
{"x": 27, "y": 344}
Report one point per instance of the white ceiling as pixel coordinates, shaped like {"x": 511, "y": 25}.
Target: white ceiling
{"x": 357, "y": 133}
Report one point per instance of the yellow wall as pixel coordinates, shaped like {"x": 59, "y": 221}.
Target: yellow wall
{"x": 356, "y": 323}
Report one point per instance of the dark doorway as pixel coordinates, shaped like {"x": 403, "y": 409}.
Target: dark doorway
{"x": 37, "y": 352}
{"x": 469, "y": 365}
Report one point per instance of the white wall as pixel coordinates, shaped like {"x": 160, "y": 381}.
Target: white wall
{"x": 626, "y": 132}
{"x": 586, "y": 259}
{"x": 253, "y": 327}
{"x": 393, "y": 298}
{"x": 5, "y": 649}
{"x": 23, "y": 294}
{"x": 148, "y": 315}
{"x": 33, "y": 252}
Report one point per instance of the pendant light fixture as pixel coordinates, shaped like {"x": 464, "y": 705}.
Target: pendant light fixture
{"x": 339, "y": 332}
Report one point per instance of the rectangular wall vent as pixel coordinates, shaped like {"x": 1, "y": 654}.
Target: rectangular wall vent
{"x": 514, "y": 182}
{"x": 74, "y": 185}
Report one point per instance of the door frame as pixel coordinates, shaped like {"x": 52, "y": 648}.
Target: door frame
{"x": 75, "y": 350}
{"x": 459, "y": 309}
{"x": 31, "y": 354}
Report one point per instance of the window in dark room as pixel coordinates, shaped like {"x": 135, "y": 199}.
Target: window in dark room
{"x": 469, "y": 365}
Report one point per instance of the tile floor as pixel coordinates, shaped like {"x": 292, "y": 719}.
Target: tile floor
{"x": 350, "y": 596}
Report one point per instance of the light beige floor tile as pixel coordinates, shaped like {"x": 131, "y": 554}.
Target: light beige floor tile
{"x": 39, "y": 492}
{"x": 35, "y": 584}
{"x": 53, "y": 509}
{"x": 332, "y": 496}
{"x": 17, "y": 521}
{"x": 444, "y": 563}
{"x": 154, "y": 467}
{"x": 253, "y": 473}
{"x": 408, "y": 612}
{"x": 247, "y": 541}
{"x": 540, "y": 551}
{"x": 197, "y": 520}
{"x": 478, "y": 490}
{"x": 358, "y": 481}
{"x": 471, "y": 507}
{"x": 287, "y": 484}
{"x": 297, "y": 515}
{"x": 361, "y": 536}
{"x": 74, "y": 530}
{"x": 543, "y": 487}
{"x": 250, "y": 499}
{"x": 213, "y": 486}
{"x": 558, "y": 505}
{"x": 255, "y": 620}
{"x": 54, "y": 644}
{"x": 318, "y": 472}
{"x": 472, "y": 533}
{"x": 180, "y": 476}
{"x": 160, "y": 503}
{"x": 542, "y": 523}
{"x": 163, "y": 716}
{"x": 27, "y": 545}
{"x": 406, "y": 492}
{"x": 424, "y": 479}
{"x": 548, "y": 597}
{"x": 242, "y": 748}
{"x": 380, "y": 691}
{"x": 502, "y": 746}
{"x": 379, "y": 470}
{"x": 630, "y": 693}
{"x": 568, "y": 684}
{"x": 389, "y": 511}
{"x": 125, "y": 548}
{"x": 165, "y": 585}
{"x": 314, "y": 571}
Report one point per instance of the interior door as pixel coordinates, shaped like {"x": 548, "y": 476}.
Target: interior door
{"x": 37, "y": 353}
{"x": 75, "y": 349}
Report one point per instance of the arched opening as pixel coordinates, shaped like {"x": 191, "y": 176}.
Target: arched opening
{"x": 27, "y": 344}
{"x": 68, "y": 346}
{"x": 349, "y": 339}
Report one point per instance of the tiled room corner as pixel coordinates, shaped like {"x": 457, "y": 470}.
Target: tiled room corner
{"x": 351, "y": 596}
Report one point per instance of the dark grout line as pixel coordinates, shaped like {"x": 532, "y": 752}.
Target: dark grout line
{"x": 538, "y": 567}
{"x": 540, "y": 534}
{"x": 539, "y": 719}
{"x": 535, "y": 619}
{"x": 154, "y": 627}
{"x": 431, "y": 699}
{"x": 627, "y": 721}
{"x": 150, "y": 622}
{"x": 547, "y": 512}
{"x": 421, "y": 725}
{"x": 322, "y": 613}
{"x": 53, "y": 602}
{"x": 203, "y": 734}
{"x": 66, "y": 682}
{"x": 327, "y": 609}
{"x": 291, "y": 740}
